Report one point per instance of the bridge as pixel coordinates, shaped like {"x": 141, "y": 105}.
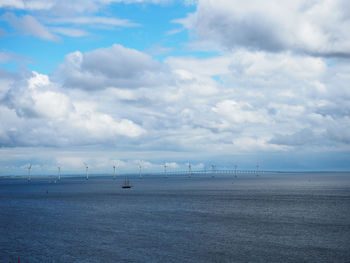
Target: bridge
{"x": 190, "y": 173}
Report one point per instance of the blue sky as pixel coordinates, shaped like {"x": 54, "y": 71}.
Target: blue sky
{"x": 124, "y": 81}
{"x": 150, "y": 27}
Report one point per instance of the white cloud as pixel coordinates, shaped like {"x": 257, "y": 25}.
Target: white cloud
{"x": 302, "y": 137}
{"x": 92, "y": 20}
{"x": 174, "y": 31}
{"x": 28, "y": 25}
{"x": 207, "y": 67}
{"x": 27, "y": 5}
{"x": 68, "y": 7}
{"x": 6, "y": 56}
{"x": 71, "y": 32}
{"x": 158, "y": 50}
{"x": 67, "y": 18}
{"x": 259, "y": 144}
{"x": 70, "y": 162}
{"x": 102, "y": 127}
{"x": 172, "y": 165}
{"x": 260, "y": 64}
{"x": 114, "y": 66}
{"x": 240, "y": 112}
{"x": 191, "y": 2}
{"x": 313, "y": 27}
{"x": 41, "y": 114}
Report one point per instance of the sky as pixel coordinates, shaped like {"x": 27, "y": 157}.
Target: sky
{"x": 224, "y": 82}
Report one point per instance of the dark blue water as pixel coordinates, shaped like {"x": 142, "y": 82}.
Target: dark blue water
{"x": 271, "y": 218}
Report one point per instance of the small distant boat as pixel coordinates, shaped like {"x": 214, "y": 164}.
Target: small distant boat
{"x": 126, "y": 183}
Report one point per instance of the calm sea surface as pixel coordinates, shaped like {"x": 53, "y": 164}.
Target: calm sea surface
{"x": 270, "y": 218}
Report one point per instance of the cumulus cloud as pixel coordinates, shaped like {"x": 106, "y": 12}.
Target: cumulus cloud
{"x": 6, "y": 81}
{"x": 36, "y": 112}
{"x": 312, "y": 27}
{"x": 240, "y": 112}
{"x": 261, "y": 93}
{"x": 115, "y": 66}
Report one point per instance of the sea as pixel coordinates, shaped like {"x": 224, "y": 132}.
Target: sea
{"x": 282, "y": 217}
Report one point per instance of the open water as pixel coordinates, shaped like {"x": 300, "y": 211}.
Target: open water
{"x": 270, "y": 218}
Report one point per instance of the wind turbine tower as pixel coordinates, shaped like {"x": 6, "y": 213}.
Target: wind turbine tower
{"x": 189, "y": 169}
{"x": 86, "y": 171}
{"x": 212, "y": 170}
{"x": 59, "y": 173}
{"x": 140, "y": 168}
{"x": 235, "y": 170}
{"x": 257, "y": 169}
{"x": 165, "y": 166}
{"x": 29, "y": 167}
{"x": 114, "y": 172}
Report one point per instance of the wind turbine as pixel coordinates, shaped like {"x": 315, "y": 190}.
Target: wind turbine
{"x": 114, "y": 172}
{"x": 59, "y": 173}
{"x": 29, "y": 167}
{"x": 165, "y": 166}
{"x": 86, "y": 171}
{"x": 212, "y": 170}
{"x": 189, "y": 169}
{"x": 140, "y": 167}
{"x": 257, "y": 169}
{"x": 235, "y": 170}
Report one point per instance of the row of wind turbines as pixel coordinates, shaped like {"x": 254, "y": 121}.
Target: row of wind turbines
{"x": 213, "y": 170}
{"x": 29, "y": 167}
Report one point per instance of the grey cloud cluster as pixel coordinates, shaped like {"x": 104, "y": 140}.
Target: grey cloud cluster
{"x": 312, "y": 27}
{"x": 115, "y": 66}
{"x": 300, "y": 138}
{"x": 276, "y": 99}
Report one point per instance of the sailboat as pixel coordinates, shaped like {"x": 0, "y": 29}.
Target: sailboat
{"x": 126, "y": 183}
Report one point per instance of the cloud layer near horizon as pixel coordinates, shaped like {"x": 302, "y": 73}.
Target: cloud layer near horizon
{"x": 278, "y": 83}
{"x": 268, "y": 100}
